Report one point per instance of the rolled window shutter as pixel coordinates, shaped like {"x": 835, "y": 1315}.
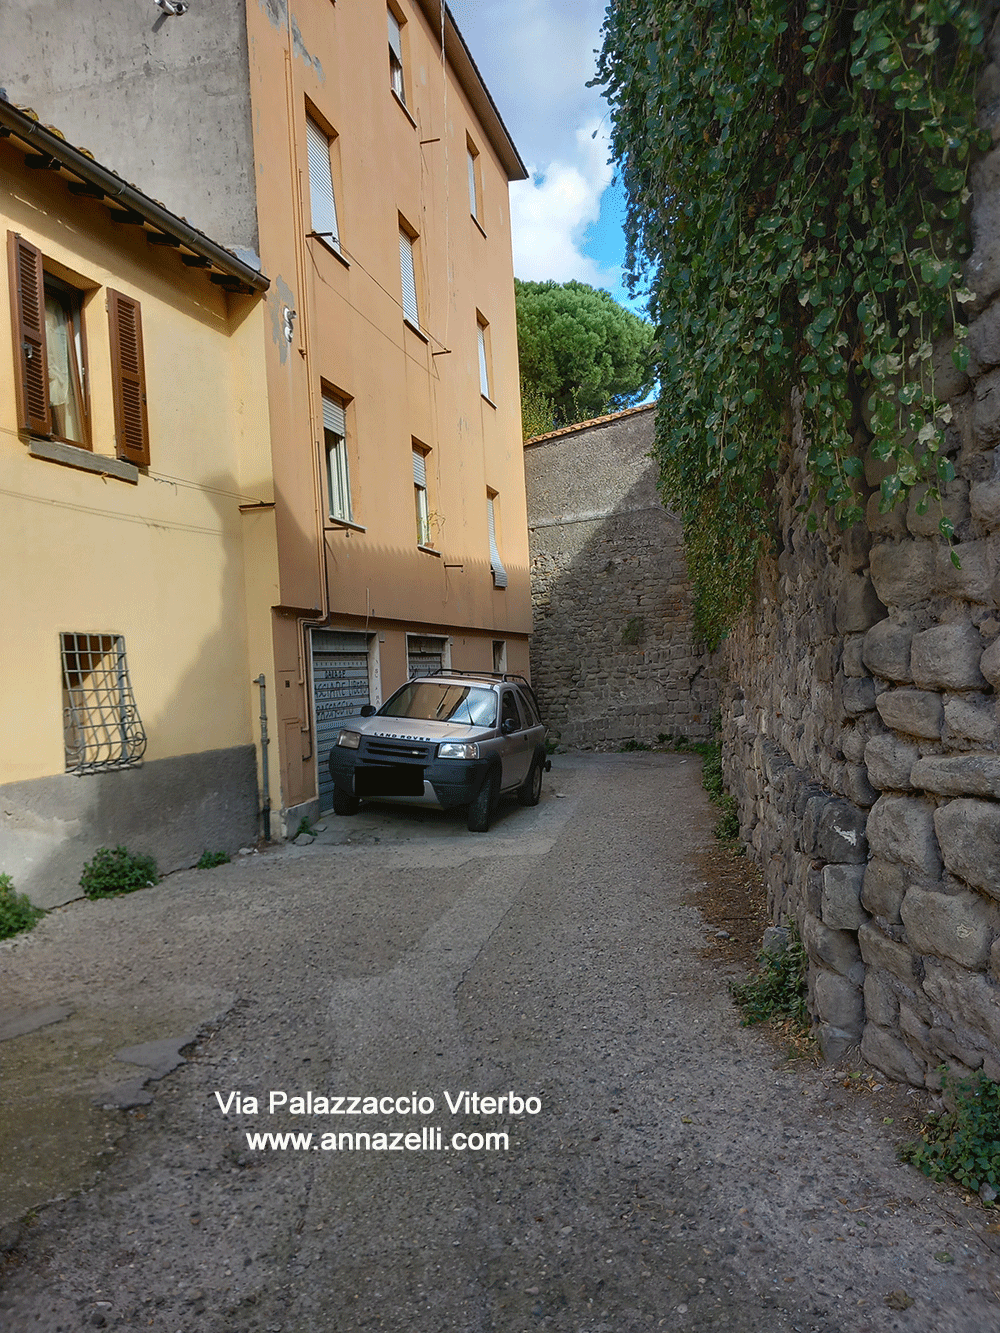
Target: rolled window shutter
{"x": 129, "y": 379}
{"x": 419, "y": 469}
{"x": 496, "y": 564}
{"x": 395, "y": 37}
{"x": 473, "y": 197}
{"x": 408, "y": 278}
{"x": 27, "y": 282}
{"x": 484, "y": 374}
{"x": 322, "y": 205}
{"x": 334, "y": 417}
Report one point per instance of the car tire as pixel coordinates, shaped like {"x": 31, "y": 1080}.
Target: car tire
{"x": 530, "y": 790}
{"x": 482, "y": 808}
{"x": 343, "y": 803}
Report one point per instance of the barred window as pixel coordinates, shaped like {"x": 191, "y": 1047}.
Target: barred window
{"x": 101, "y": 727}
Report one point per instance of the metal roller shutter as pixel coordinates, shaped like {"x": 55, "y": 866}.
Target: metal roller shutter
{"x": 340, "y": 690}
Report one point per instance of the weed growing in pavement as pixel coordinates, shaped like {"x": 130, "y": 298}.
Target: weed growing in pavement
{"x": 633, "y": 744}
{"x": 211, "y": 859}
{"x": 963, "y": 1144}
{"x": 117, "y": 870}
{"x": 304, "y": 827}
{"x": 17, "y": 913}
{"x": 779, "y": 988}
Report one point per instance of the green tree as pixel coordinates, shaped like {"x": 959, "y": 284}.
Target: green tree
{"x": 580, "y": 350}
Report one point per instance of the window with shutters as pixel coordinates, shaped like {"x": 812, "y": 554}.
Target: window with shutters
{"x": 496, "y": 564}
{"x": 101, "y": 724}
{"x": 322, "y": 200}
{"x": 397, "y": 81}
{"x": 475, "y": 182}
{"x": 408, "y": 276}
{"x": 420, "y": 502}
{"x": 49, "y": 351}
{"x": 338, "y": 484}
{"x": 128, "y": 376}
{"x": 483, "y": 335}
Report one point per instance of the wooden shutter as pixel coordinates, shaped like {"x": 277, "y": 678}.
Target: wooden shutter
{"x": 27, "y": 286}
{"x": 129, "y": 379}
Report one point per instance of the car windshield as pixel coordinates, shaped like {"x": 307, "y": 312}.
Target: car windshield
{"x": 438, "y": 701}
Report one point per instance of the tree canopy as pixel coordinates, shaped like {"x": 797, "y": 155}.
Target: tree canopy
{"x": 581, "y": 353}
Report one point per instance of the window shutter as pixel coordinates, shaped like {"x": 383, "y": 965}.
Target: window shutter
{"x": 128, "y": 379}
{"x": 395, "y": 37}
{"x": 419, "y": 469}
{"x": 496, "y": 564}
{"x": 27, "y": 281}
{"x": 334, "y": 417}
{"x": 409, "y": 279}
{"x": 473, "y": 199}
{"x": 484, "y": 374}
{"x": 322, "y": 205}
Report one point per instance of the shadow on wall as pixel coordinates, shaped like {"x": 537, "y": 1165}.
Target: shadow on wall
{"x": 174, "y": 808}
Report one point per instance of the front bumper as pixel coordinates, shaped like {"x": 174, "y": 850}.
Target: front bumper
{"x": 446, "y": 782}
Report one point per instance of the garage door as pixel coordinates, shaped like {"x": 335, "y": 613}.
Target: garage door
{"x": 424, "y": 656}
{"x": 340, "y": 689}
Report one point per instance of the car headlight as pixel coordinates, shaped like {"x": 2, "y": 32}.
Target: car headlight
{"x": 458, "y": 750}
{"x": 350, "y": 740}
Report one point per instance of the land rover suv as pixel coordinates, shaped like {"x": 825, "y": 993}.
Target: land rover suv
{"x": 453, "y": 738}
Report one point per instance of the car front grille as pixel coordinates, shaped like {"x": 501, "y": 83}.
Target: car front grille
{"x": 397, "y": 751}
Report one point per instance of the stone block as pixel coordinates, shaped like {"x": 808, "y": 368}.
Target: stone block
{"x": 958, "y": 775}
{"x": 886, "y": 651}
{"x": 958, "y": 926}
{"x": 954, "y": 505}
{"x": 901, "y": 828}
{"x": 984, "y": 503}
{"x": 902, "y": 572}
{"x": 971, "y": 580}
{"x": 970, "y": 999}
{"x": 890, "y": 761}
{"x": 886, "y": 1052}
{"x": 949, "y": 381}
{"x": 835, "y": 949}
{"x": 881, "y": 1002}
{"x": 972, "y": 718}
{"x": 840, "y": 833}
{"x": 989, "y": 664}
{"x": 947, "y": 657}
{"x": 851, "y": 661}
{"x": 858, "y": 606}
{"x": 913, "y": 712}
{"x": 995, "y": 967}
{"x": 891, "y": 956}
{"x": 984, "y": 337}
{"x": 969, "y": 834}
{"x": 834, "y": 1042}
{"x": 890, "y": 524}
{"x": 858, "y": 695}
{"x": 857, "y": 787}
{"x": 986, "y": 408}
{"x": 885, "y": 883}
{"x": 855, "y": 546}
{"x": 841, "y": 903}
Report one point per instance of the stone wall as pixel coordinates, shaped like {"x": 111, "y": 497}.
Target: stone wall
{"x": 861, "y": 730}
{"x": 613, "y": 656}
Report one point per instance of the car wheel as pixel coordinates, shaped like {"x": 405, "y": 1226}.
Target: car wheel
{"x": 482, "y": 808}
{"x": 343, "y": 804}
{"x": 530, "y": 790}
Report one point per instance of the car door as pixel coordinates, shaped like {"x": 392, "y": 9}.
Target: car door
{"x": 516, "y": 748}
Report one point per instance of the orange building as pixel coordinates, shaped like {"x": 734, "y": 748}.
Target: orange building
{"x": 353, "y": 153}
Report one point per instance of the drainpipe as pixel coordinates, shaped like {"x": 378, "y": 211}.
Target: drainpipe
{"x": 264, "y": 742}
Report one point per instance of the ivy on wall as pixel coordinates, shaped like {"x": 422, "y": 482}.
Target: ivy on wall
{"x": 796, "y": 173}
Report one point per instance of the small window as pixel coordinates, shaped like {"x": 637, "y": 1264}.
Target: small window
{"x": 496, "y": 564}
{"x": 335, "y": 442}
{"x": 50, "y": 361}
{"x": 396, "y": 81}
{"x": 509, "y": 710}
{"x": 322, "y": 204}
{"x": 475, "y": 183}
{"x": 421, "y": 506}
{"x": 101, "y": 726}
{"x": 483, "y": 334}
{"x": 500, "y": 655}
{"x": 408, "y": 276}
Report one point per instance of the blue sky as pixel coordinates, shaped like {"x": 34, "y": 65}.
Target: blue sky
{"x": 536, "y": 57}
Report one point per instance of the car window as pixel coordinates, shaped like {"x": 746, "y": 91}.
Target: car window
{"x": 437, "y": 701}
{"x": 508, "y": 709}
{"x": 529, "y": 710}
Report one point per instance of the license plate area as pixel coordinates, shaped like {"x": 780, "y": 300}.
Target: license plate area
{"x": 389, "y": 780}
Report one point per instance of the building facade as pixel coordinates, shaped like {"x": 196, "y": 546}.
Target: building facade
{"x": 614, "y": 656}
{"x": 132, "y": 430}
{"x": 360, "y": 161}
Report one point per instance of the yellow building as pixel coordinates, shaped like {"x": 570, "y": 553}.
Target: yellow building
{"x": 132, "y": 430}
{"x": 352, "y": 151}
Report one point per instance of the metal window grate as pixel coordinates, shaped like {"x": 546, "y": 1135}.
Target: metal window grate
{"x": 101, "y": 727}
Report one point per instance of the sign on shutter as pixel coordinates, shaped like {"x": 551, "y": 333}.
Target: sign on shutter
{"x": 340, "y": 690}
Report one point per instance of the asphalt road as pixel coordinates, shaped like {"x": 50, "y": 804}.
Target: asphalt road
{"x": 668, "y": 1170}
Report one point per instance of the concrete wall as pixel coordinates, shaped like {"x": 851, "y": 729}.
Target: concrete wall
{"x": 862, "y": 735}
{"x": 613, "y": 655}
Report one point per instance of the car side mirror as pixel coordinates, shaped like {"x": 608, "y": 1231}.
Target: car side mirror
{"x": 368, "y": 710}
{"x": 508, "y": 726}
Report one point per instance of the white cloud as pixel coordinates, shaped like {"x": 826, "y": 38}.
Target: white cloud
{"x": 551, "y": 211}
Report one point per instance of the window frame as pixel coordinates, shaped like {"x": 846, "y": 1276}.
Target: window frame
{"x": 397, "y": 61}
{"x": 335, "y": 450}
{"x": 486, "y": 386}
{"x": 421, "y": 497}
{"x": 319, "y": 157}
{"x": 475, "y": 184}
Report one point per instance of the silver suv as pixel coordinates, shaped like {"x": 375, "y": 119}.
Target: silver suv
{"x": 454, "y": 738}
